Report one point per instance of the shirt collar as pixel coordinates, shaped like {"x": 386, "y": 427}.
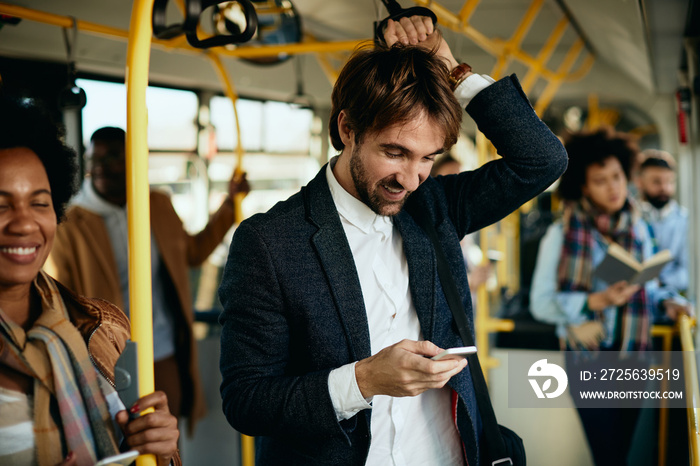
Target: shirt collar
{"x": 88, "y": 198}
{"x": 352, "y": 209}
{"x": 656, "y": 215}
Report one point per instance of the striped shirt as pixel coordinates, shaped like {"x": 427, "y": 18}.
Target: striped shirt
{"x": 17, "y": 424}
{"x": 16, "y": 428}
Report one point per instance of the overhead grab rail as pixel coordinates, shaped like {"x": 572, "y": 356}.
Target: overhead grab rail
{"x": 121, "y": 34}
{"x": 193, "y": 12}
{"x": 456, "y": 22}
{"x": 510, "y": 49}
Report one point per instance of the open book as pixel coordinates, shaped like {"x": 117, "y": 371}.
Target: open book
{"x": 619, "y": 264}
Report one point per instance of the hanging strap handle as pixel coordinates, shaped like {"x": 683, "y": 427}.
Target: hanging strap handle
{"x": 395, "y": 14}
{"x": 193, "y": 11}
{"x": 251, "y": 25}
{"x": 72, "y": 96}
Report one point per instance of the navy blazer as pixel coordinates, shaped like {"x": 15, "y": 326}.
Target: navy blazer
{"x": 293, "y": 307}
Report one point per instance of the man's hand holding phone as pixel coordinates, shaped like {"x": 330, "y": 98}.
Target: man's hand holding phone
{"x": 405, "y": 369}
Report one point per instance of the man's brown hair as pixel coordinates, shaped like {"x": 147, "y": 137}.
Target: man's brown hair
{"x": 381, "y": 87}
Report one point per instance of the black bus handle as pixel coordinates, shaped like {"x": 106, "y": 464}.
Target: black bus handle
{"x": 395, "y": 14}
{"x": 164, "y": 31}
{"x": 251, "y": 25}
{"x": 194, "y": 9}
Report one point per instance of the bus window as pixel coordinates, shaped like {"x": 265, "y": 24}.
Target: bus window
{"x": 184, "y": 178}
{"x": 272, "y": 178}
{"x": 250, "y": 114}
{"x": 172, "y": 113}
{"x": 272, "y": 127}
{"x": 289, "y": 128}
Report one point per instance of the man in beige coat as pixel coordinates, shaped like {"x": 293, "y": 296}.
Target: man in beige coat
{"x": 90, "y": 257}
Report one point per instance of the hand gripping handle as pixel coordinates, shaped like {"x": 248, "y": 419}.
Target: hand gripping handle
{"x": 396, "y": 13}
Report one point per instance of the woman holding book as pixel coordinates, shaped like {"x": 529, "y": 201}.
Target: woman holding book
{"x": 591, "y": 314}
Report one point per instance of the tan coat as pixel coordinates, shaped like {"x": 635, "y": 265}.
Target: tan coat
{"x": 83, "y": 260}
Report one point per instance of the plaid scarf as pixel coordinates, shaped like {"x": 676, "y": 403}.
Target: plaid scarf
{"x": 575, "y": 271}
{"x": 54, "y": 353}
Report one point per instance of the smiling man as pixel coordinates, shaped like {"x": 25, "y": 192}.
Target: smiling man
{"x": 332, "y": 306}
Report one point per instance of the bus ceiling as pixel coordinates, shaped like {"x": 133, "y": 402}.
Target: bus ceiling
{"x": 626, "y": 53}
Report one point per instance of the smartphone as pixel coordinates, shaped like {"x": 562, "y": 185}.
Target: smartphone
{"x": 455, "y": 353}
{"x": 122, "y": 459}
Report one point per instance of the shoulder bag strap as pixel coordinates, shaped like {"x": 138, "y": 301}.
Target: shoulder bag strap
{"x": 495, "y": 445}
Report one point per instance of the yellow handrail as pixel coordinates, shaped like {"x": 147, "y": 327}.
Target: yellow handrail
{"x": 516, "y": 40}
{"x": 545, "y": 54}
{"x": 233, "y": 97}
{"x": 666, "y": 333}
{"x": 138, "y": 208}
{"x": 692, "y": 388}
{"x": 496, "y": 47}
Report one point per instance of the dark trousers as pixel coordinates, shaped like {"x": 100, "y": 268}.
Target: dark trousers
{"x": 609, "y": 432}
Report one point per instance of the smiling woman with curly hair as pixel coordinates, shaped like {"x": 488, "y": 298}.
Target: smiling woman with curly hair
{"x": 58, "y": 404}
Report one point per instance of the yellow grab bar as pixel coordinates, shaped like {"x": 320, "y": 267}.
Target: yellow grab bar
{"x": 690, "y": 371}
{"x": 233, "y": 96}
{"x": 138, "y": 208}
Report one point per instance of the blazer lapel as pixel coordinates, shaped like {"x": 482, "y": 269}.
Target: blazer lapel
{"x": 338, "y": 264}
{"x": 422, "y": 270}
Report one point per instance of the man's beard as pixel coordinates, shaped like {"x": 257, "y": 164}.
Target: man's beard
{"x": 370, "y": 194}
{"x": 658, "y": 201}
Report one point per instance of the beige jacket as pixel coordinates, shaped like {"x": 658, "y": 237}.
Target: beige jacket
{"x": 83, "y": 260}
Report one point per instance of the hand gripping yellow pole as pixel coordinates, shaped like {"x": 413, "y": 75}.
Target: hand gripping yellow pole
{"x": 138, "y": 209}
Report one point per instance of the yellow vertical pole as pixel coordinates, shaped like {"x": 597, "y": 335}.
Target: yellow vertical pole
{"x": 692, "y": 387}
{"x": 667, "y": 346}
{"x": 594, "y": 119}
{"x": 482, "y": 294}
{"x": 138, "y": 209}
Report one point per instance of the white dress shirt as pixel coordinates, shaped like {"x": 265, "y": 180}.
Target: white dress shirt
{"x": 408, "y": 430}
{"x": 417, "y": 430}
